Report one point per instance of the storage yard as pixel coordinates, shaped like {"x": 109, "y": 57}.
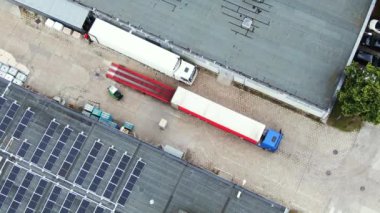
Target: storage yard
{"x": 316, "y": 169}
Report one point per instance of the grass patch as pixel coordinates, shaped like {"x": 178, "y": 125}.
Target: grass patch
{"x": 347, "y": 124}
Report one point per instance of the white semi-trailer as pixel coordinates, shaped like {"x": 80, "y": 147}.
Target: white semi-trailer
{"x": 143, "y": 51}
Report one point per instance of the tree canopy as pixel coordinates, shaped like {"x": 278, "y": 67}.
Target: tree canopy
{"x": 360, "y": 95}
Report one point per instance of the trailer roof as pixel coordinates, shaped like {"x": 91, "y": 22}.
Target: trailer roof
{"x": 64, "y": 11}
{"x": 298, "y": 47}
{"x": 172, "y": 183}
{"x": 134, "y": 47}
{"x": 219, "y": 114}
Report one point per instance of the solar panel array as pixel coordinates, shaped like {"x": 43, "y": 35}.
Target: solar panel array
{"x": 54, "y": 155}
{"x": 20, "y": 193}
{"x": 48, "y": 135}
{"x": 67, "y": 203}
{"x": 102, "y": 169}
{"x": 8, "y": 118}
{"x": 23, "y": 149}
{"x": 133, "y": 177}
{"x": 9, "y": 182}
{"x": 83, "y": 205}
{"x": 21, "y": 126}
{"x": 37, "y": 194}
{"x": 49, "y": 205}
{"x": 117, "y": 175}
{"x": 73, "y": 153}
{"x": 88, "y": 162}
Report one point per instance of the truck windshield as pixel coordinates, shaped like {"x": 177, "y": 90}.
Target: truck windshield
{"x": 194, "y": 71}
{"x": 177, "y": 64}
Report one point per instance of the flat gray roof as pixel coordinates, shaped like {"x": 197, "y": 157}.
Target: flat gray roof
{"x": 300, "y": 47}
{"x": 173, "y": 184}
{"x": 61, "y": 10}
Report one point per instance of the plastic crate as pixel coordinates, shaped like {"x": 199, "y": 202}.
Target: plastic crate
{"x": 97, "y": 112}
{"x": 106, "y": 116}
{"x": 129, "y": 126}
{"x": 88, "y": 108}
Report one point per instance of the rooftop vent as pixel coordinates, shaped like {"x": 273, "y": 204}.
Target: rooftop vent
{"x": 247, "y": 23}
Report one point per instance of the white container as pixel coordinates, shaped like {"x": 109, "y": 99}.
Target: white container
{"x": 163, "y": 124}
{"x": 2, "y": 75}
{"x": 4, "y": 68}
{"x": 1, "y": 71}
{"x": 76, "y": 35}
{"x": 12, "y": 71}
{"x": 9, "y": 77}
{"x": 88, "y": 108}
{"x": 49, "y": 23}
{"x": 18, "y": 82}
{"x": 58, "y": 26}
{"x": 173, "y": 151}
{"x": 67, "y": 31}
{"x": 21, "y": 76}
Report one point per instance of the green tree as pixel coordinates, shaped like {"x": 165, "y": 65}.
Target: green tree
{"x": 360, "y": 95}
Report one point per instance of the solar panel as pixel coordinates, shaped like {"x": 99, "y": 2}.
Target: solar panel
{"x": 88, "y": 162}
{"x": 29, "y": 114}
{"x": 140, "y": 165}
{"x": 117, "y": 175}
{"x": 3, "y": 126}
{"x": 58, "y": 148}
{"x": 14, "y": 172}
{"x": 12, "y": 110}
{"x": 111, "y": 153}
{"x": 7, "y": 120}
{"x": 67, "y": 203}
{"x": 99, "y": 210}
{"x": 2, "y": 101}
{"x": 53, "y": 125}
{"x": 23, "y": 149}
{"x": 14, "y": 106}
{"x": 67, "y": 131}
{"x": 50, "y": 163}
{"x": 124, "y": 197}
{"x": 102, "y": 169}
{"x": 8, "y": 117}
{"x": 83, "y": 206}
{"x": 73, "y": 153}
{"x": 44, "y": 141}
{"x": 20, "y": 193}
{"x": 34, "y": 200}
{"x": 8, "y": 183}
{"x": 21, "y": 126}
{"x": 52, "y": 199}
{"x": 17, "y": 134}
{"x": 131, "y": 182}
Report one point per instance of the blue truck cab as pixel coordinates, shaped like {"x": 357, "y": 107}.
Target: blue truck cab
{"x": 271, "y": 140}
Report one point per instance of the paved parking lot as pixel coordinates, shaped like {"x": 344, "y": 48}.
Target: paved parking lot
{"x": 304, "y": 174}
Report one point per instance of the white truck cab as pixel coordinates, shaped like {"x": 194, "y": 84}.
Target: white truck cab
{"x": 185, "y": 72}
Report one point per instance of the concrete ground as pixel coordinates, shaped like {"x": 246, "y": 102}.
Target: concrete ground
{"x": 317, "y": 168}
